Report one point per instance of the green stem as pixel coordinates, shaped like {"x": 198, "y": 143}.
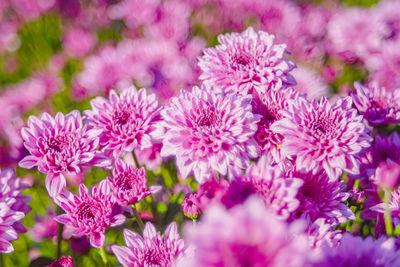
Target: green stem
{"x": 135, "y": 159}
{"x": 59, "y": 234}
{"x": 138, "y": 219}
{"x": 103, "y": 255}
{"x": 388, "y": 217}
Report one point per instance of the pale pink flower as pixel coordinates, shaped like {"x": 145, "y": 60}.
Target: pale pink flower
{"x": 208, "y": 132}
{"x": 124, "y": 122}
{"x": 323, "y": 136}
{"x": 246, "y": 61}
{"x": 90, "y": 213}
{"x": 152, "y": 249}
{"x": 60, "y": 145}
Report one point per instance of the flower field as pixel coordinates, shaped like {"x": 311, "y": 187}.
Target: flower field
{"x": 195, "y": 133}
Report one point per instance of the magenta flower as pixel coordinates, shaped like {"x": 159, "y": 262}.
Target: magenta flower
{"x": 13, "y": 208}
{"x": 44, "y": 227}
{"x": 129, "y": 185}
{"x": 269, "y": 183}
{"x": 90, "y": 213}
{"x": 246, "y": 61}
{"x": 354, "y": 251}
{"x": 151, "y": 249}
{"x": 246, "y": 235}
{"x": 323, "y": 136}
{"x": 321, "y": 198}
{"x": 208, "y": 132}
{"x": 269, "y": 105}
{"x": 191, "y": 206}
{"x": 125, "y": 122}
{"x": 64, "y": 261}
{"x": 378, "y": 105}
{"x": 60, "y": 145}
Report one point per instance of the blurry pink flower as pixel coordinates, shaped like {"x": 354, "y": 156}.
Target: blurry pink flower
{"x": 208, "y": 132}
{"x": 150, "y": 157}
{"x": 355, "y": 32}
{"x": 388, "y": 174}
{"x": 152, "y": 249}
{"x": 128, "y": 185}
{"x": 135, "y": 12}
{"x": 103, "y": 71}
{"x": 60, "y": 145}
{"x": 378, "y": 105}
{"x": 246, "y": 61}
{"x": 246, "y": 235}
{"x": 125, "y": 122}
{"x": 90, "y": 213}
{"x": 270, "y": 184}
{"x": 308, "y": 82}
{"x": 77, "y": 42}
{"x": 384, "y": 66}
{"x": 64, "y": 261}
{"x": 44, "y": 227}
{"x": 387, "y": 12}
{"x": 323, "y": 136}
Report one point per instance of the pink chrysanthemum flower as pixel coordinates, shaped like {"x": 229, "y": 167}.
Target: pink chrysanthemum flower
{"x": 246, "y": 61}
{"x": 125, "y": 122}
{"x": 353, "y": 251}
{"x": 269, "y": 105}
{"x": 64, "y": 261}
{"x": 129, "y": 185}
{"x": 323, "y": 136}
{"x": 321, "y": 198}
{"x": 90, "y": 213}
{"x": 378, "y": 105}
{"x": 269, "y": 183}
{"x": 246, "y": 235}
{"x": 151, "y": 249}
{"x": 191, "y": 206}
{"x": 60, "y": 145}
{"x": 310, "y": 83}
{"x": 13, "y": 208}
{"x": 208, "y": 132}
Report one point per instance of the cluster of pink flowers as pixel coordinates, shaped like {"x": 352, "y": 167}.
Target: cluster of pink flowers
{"x": 258, "y": 150}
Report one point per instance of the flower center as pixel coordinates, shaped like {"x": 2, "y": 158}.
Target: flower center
{"x": 323, "y": 126}
{"x": 121, "y": 117}
{"x": 60, "y": 143}
{"x": 240, "y": 61}
{"x": 154, "y": 257}
{"x": 87, "y": 212}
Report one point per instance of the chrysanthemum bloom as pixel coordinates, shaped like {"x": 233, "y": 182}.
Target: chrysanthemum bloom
{"x": 151, "y": 249}
{"x": 60, "y": 145}
{"x": 378, "y": 105}
{"x": 13, "y": 208}
{"x": 212, "y": 190}
{"x": 321, "y": 198}
{"x": 208, "y": 132}
{"x": 90, "y": 213}
{"x": 354, "y": 251}
{"x": 323, "y": 136}
{"x": 64, "y": 261}
{"x": 269, "y": 183}
{"x": 246, "y": 61}
{"x": 246, "y": 235}
{"x": 387, "y": 174}
{"x": 125, "y": 122}
{"x": 129, "y": 185}
{"x": 269, "y": 105}
{"x": 44, "y": 227}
